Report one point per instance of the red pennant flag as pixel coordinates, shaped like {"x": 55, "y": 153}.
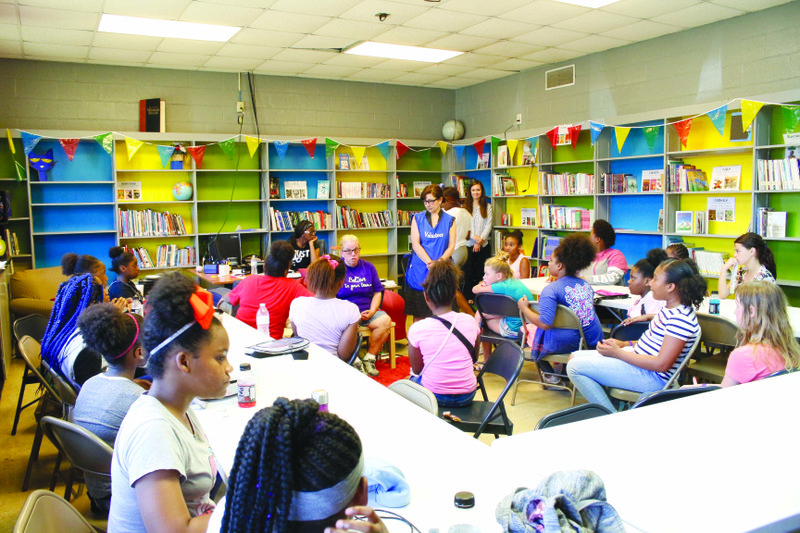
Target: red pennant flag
{"x": 479, "y": 146}
{"x": 69, "y": 145}
{"x": 310, "y": 144}
{"x": 197, "y": 154}
{"x": 683, "y": 127}
{"x": 553, "y": 136}
{"x": 574, "y": 131}
{"x": 401, "y": 149}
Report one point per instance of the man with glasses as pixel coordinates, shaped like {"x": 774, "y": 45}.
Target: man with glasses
{"x": 362, "y": 286}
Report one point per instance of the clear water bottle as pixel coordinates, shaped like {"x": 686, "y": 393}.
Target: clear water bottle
{"x": 464, "y": 518}
{"x": 247, "y": 386}
{"x": 254, "y": 265}
{"x": 713, "y": 304}
{"x": 321, "y": 397}
{"x": 137, "y": 307}
{"x": 262, "y": 320}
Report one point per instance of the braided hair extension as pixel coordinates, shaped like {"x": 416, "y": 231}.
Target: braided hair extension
{"x": 289, "y": 446}
{"x": 73, "y": 297}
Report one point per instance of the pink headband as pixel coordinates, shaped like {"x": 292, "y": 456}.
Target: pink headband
{"x": 135, "y": 337}
{"x": 330, "y": 261}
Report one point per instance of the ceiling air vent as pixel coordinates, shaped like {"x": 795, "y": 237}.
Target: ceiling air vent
{"x": 559, "y": 77}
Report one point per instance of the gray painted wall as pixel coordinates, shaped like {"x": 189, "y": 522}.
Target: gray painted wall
{"x": 43, "y": 95}
{"x": 752, "y": 56}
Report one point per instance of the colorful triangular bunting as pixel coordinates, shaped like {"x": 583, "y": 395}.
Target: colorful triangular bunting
{"x": 479, "y": 146}
{"x": 512, "y": 148}
{"x": 20, "y": 171}
{"x": 717, "y": 117}
{"x": 132, "y": 146}
{"x": 495, "y": 143}
{"x": 459, "y": 149}
{"x": 383, "y": 148}
{"x": 683, "y": 127}
{"x": 791, "y": 116}
{"x": 330, "y": 147}
{"x": 106, "y": 140}
{"x": 10, "y": 142}
{"x": 750, "y": 109}
{"x": 358, "y": 155}
{"x": 29, "y": 141}
{"x": 227, "y": 146}
{"x": 165, "y": 152}
{"x": 425, "y": 156}
{"x": 197, "y": 153}
{"x": 650, "y": 134}
{"x": 252, "y": 144}
{"x": 553, "y": 136}
{"x": 310, "y": 145}
{"x": 621, "y": 133}
{"x": 574, "y": 132}
{"x": 595, "y": 128}
{"x": 281, "y": 147}
{"x": 400, "y": 149}
{"x": 442, "y": 146}
{"x": 69, "y": 146}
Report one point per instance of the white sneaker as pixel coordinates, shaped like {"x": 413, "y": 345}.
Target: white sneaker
{"x": 551, "y": 379}
{"x": 369, "y": 368}
{"x": 358, "y": 365}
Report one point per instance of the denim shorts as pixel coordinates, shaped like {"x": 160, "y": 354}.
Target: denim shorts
{"x": 449, "y": 400}
{"x": 379, "y": 313}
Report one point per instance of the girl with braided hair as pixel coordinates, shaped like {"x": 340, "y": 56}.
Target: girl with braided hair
{"x": 163, "y": 470}
{"x": 297, "y": 469}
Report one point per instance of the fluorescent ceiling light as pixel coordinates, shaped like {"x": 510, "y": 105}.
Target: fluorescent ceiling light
{"x": 400, "y": 51}
{"x": 588, "y": 3}
{"x": 166, "y": 28}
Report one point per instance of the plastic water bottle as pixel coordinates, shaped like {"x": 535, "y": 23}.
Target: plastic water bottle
{"x": 713, "y": 304}
{"x": 464, "y": 518}
{"x": 321, "y": 397}
{"x": 137, "y": 307}
{"x": 254, "y": 265}
{"x": 262, "y": 320}
{"x": 247, "y": 386}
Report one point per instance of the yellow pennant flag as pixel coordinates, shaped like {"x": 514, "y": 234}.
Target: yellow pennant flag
{"x": 10, "y": 142}
{"x": 512, "y": 147}
{"x": 252, "y": 144}
{"x": 442, "y": 146}
{"x": 132, "y": 145}
{"x": 358, "y": 154}
{"x": 750, "y": 109}
{"x": 621, "y": 134}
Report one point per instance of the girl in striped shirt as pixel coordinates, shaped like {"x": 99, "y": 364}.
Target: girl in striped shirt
{"x": 647, "y": 364}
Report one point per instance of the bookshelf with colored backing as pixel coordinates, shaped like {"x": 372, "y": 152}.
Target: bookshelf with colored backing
{"x": 526, "y": 178}
{"x": 19, "y": 222}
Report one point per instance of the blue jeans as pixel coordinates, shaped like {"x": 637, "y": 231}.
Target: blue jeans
{"x": 590, "y": 373}
{"x": 449, "y": 400}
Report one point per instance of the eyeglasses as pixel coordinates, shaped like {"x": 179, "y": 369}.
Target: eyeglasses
{"x": 428, "y": 202}
{"x": 352, "y": 251}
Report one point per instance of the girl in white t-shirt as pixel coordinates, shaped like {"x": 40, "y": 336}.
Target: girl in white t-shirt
{"x": 323, "y": 319}
{"x": 163, "y": 469}
{"x": 646, "y": 307}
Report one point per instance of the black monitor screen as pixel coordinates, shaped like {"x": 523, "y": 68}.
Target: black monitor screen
{"x": 226, "y": 246}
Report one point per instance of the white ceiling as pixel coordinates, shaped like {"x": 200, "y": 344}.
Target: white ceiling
{"x": 293, "y": 37}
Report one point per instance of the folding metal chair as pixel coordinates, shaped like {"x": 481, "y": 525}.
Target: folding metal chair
{"x": 416, "y": 394}
{"x": 718, "y": 338}
{"x": 32, "y": 326}
{"x": 572, "y": 414}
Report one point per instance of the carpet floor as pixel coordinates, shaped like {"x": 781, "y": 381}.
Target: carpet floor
{"x": 389, "y": 375}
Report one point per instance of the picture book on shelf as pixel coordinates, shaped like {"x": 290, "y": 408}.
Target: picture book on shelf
{"x": 364, "y": 162}
{"x": 323, "y": 189}
{"x": 274, "y": 187}
{"x": 683, "y": 221}
{"x": 483, "y": 160}
{"x": 726, "y": 178}
{"x": 652, "y": 180}
{"x": 631, "y": 186}
{"x": 509, "y": 186}
{"x": 296, "y": 190}
{"x": 697, "y": 180}
{"x": 776, "y": 224}
{"x": 528, "y": 216}
{"x": 544, "y": 271}
{"x": 419, "y": 186}
{"x": 502, "y": 156}
{"x": 528, "y": 154}
{"x": 129, "y": 190}
{"x": 344, "y": 161}
{"x": 700, "y": 225}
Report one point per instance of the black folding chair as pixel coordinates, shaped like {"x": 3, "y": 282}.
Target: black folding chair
{"x": 503, "y": 305}
{"x": 671, "y": 394}
{"x": 572, "y": 414}
{"x": 631, "y": 332}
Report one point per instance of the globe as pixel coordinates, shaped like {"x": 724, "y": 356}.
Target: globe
{"x": 453, "y": 130}
{"x": 182, "y": 191}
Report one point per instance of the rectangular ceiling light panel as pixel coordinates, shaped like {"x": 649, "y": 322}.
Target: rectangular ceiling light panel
{"x": 166, "y": 28}
{"x": 399, "y": 51}
{"x": 588, "y": 3}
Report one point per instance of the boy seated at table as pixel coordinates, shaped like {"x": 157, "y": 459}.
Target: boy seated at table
{"x": 297, "y": 469}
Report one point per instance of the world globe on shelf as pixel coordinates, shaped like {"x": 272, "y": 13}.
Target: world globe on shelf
{"x": 453, "y": 130}
{"x": 182, "y": 191}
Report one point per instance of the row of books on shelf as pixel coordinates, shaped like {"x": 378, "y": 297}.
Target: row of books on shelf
{"x": 352, "y": 189}
{"x": 770, "y": 223}
{"x": 286, "y": 220}
{"x": 349, "y": 162}
{"x": 561, "y": 217}
{"x": 505, "y": 185}
{"x": 12, "y": 244}
{"x": 689, "y": 178}
{"x": 298, "y": 190}
{"x": 167, "y": 255}
{"x": 149, "y": 223}
{"x": 347, "y": 218}
{"x": 779, "y": 174}
{"x": 404, "y": 217}
{"x": 652, "y": 180}
{"x": 567, "y": 183}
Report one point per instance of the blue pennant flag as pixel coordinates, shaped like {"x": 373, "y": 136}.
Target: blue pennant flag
{"x": 459, "y": 148}
{"x": 165, "y": 152}
{"x": 384, "y": 149}
{"x": 281, "y": 147}
{"x": 596, "y": 129}
{"x": 29, "y": 141}
{"x": 717, "y": 117}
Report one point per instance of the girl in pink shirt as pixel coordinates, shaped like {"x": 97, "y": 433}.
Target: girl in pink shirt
{"x": 766, "y": 341}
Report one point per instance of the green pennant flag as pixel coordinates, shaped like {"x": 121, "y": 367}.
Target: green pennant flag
{"x": 227, "y": 146}
{"x": 650, "y": 135}
{"x": 425, "y": 155}
{"x": 330, "y": 147}
{"x": 106, "y": 140}
{"x": 20, "y": 171}
{"x": 791, "y": 116}
{"x": 495, "y": 144}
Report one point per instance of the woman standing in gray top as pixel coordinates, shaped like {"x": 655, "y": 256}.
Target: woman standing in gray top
{"x": 478, "y": 250}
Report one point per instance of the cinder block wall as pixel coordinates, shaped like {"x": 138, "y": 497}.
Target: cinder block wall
{"x": 755, "y": 55}
{"x": 72, "y": 96}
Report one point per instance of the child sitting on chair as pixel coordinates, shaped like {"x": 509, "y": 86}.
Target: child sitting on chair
{"x": 646, "y": 307}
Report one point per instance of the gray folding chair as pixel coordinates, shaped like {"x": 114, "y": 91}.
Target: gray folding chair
{"x": 572, "y": 414}
{"x": 416, "y": 394}
{"x": 47, "y": 512}
{"x": 671, "y": 394}
{"x": 498, "y": 305}
{"x": 718, "y": 338}
{"x": 32, "y": 326}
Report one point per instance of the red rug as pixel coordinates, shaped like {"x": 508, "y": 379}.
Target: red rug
{"x": 389, "y": 375}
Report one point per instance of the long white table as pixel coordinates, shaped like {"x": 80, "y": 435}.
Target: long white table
{"x": 726, "y": 306}
{"x": 720, "y": 461}
{"x": 436, "y": 459}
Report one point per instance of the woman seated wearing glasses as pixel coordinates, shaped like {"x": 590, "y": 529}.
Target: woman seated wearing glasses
{"x": 362, "y": 286}
{"x": 305, "y": 251}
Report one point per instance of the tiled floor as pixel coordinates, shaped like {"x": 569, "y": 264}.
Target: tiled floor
{"x": 532, "y": 403}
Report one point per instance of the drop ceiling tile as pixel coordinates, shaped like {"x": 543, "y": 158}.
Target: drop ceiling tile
{"x": 508, "y": 49}
{"x": 303, "y": 56}
{"x": 398, "y": 13}
{"x": 460, "y": 43}
{"x": 74, "y": 5}
{"x": 499, "y": 28}
{"x": 10, "y": 48}
{"x": 116, "y": 63}
{"x": 750, "y": 5}
{"x": 9, "y": 32}
{"x": 409, "y": 36}
{"x": 482, "y": 7}
{"x": 331, "y": 71}
{"x": 517, "y": 64}
{"x": 147, "y": 8}
{"x": 224, "y": 15}
{"x": 8, "y": 14}
{"x": 475, "y": 60}
{"x": 544, "y": 12}
{"x": 593, "y": 43}
{"x": 553, "y": 55}
{"x": 550, "y": 36}
{"x": 454, "y": 83}
{"x": 350, "y": 60}
{"x": 641, "y": 31}
{"x": 261, "y": 53}
{"x": 232, "y": 63}
{"x": 261, "y": 4}
{"x": 489, "y": 74}
{"x": 439, "y": 19}
{"x": 353, "y": 30}
{"x": 124, "y": 42}
{"x": 440, "y": 69}
{"x": 282, "y": 67}
{"x": 58, "y": 18}
{"x": 188, "y": 46}
{"x": 646, "y": 9}
{"x": 377, "y": 76}
{"x": 289, "y": 22}
{"x": 113, "y": 54}
{"x": 400, "y": 65}
{"x": 322, "y": 41}
{"x": 54, "y": 51}
{"x": 595, "y": 22}
{"x": 415, "y": 78}
{"x": 57, "y": 36}
{"x": 331, "y": 8}
{"x": 266, "y": 38}
{"x": 698, "y": 15}
{"x": 178, "y": 60}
